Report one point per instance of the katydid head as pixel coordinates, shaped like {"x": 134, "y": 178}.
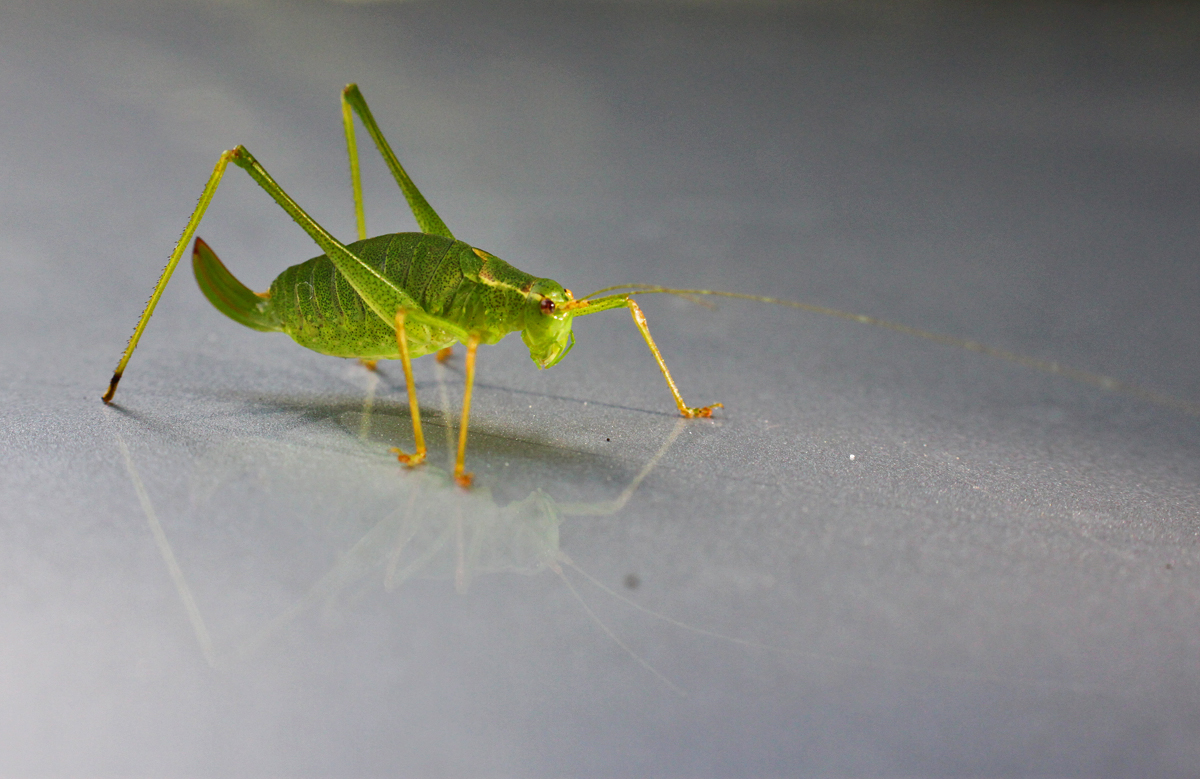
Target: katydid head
{"x": 547, "y": 330}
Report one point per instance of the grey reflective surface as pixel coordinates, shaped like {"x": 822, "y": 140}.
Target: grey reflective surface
{"x": 917, "y": 560}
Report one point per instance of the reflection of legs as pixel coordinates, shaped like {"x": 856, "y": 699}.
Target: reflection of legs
{"x": 639, "y": 319}
{"x": 364, "y": 427}
{"x": 402, "y": 341}
{"x": 613, "y": 506}
{"x": 460, "y": 476}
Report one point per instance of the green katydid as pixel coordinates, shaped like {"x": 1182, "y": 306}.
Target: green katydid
{"x": 404, "y": 295}
{"x": 401, "y": 295}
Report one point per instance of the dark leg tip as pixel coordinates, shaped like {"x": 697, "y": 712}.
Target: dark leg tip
{"x": 112, "y": 388}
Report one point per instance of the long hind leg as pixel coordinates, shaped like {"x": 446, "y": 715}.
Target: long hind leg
{"x": 206, "y": 197}
{"x": 427, "y": 219}
{"x": 381, "y": 295}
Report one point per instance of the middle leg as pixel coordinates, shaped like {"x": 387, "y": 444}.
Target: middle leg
{"x": 417, "y": 457}
{"x": 460, "y": 475}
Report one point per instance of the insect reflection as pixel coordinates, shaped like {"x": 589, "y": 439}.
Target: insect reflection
{"x": 444, "y": 533}
{"x": 430, "y": 528}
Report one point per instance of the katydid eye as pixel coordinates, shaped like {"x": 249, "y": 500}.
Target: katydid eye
{"x": 547, "y": 306}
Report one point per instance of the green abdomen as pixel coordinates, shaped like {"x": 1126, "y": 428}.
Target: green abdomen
{"x": 317, "y": 306}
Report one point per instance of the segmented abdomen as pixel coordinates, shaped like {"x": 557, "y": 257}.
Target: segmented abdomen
{"x": 320, "y": 310}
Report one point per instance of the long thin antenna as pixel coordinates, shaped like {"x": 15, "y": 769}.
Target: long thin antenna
{"x": 1046, "y": 366}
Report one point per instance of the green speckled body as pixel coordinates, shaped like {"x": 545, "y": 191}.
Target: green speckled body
{"x": 445, "y": 279}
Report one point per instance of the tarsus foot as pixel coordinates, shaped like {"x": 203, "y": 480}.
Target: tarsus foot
{"x": 704, "y": 411}
{"x": 411, "y": 460}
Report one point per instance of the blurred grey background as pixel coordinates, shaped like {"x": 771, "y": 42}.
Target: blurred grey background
{"x": 884, "y": 556}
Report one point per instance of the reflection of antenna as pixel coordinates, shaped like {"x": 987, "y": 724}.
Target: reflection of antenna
{"x": 608, "y": 631}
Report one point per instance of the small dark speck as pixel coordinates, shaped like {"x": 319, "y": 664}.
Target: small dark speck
{"x": 608, "y": 439}
{"x": 632, "y": 582}
{"x": 1168, "y": 566}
